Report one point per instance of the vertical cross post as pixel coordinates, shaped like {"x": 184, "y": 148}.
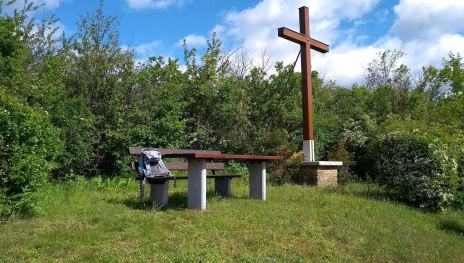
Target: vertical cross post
{"x": 306, "y": 44}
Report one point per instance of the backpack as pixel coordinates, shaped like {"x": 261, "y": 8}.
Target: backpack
{"x": 151, "y": 166}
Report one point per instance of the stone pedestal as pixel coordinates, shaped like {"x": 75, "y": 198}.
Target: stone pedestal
{"x": 320, "y": 173}
{"x": 197, "y": 184}
{"x": 257, "y": 181}
{"x": 159, "y": 194}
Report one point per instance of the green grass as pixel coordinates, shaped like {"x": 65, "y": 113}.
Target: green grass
{"x": 96, "y": 222}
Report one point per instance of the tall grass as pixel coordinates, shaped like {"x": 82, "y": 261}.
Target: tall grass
{"x": 104, "y": 221}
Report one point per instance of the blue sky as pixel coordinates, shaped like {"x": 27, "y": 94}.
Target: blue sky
{"x": 426, "y": 30}
{"x": 142, "y": 25}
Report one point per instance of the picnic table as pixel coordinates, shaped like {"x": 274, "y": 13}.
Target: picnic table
{"x": 197, "y": 166}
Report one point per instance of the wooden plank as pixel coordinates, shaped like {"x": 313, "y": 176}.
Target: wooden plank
{"x": 211, "y": 176}
{"x": 184, "y": 166}
{"x": 163, "y": 151}
{"x": 292, "y": 35}
{"x": 209, "y": 156}
{"x": 224, "y": 176}
{"x": 162, "y": 179}
{"x": 319, "y": 46}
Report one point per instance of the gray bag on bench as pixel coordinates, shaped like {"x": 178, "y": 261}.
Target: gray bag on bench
{"x": 151, "y": 166}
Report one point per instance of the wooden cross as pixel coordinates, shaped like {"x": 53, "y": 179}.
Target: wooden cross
{"x": 306, "y": 44}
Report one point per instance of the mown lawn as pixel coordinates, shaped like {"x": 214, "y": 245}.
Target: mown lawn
{"x": 95, "y": 222}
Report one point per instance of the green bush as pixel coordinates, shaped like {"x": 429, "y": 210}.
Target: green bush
{"x": 163, "y": 132}
{"x": 288, "y": 169}
{"x": 418, "y": 164}
{"x": 338, "y": 152}
{"x": 411, "y": 171}
{"x": 458, "y": 184}
{"x": 79, "y": 137}
{"x": 28, "y": 146}
{"x": 357, "y": 135}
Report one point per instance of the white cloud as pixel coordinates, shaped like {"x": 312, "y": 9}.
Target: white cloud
{"x": 154, "y": 4}
{"x": 428, "y": 18}
{"x": 420, "y": 54}
{"x": 426, "y": 30}
{"x": 60, "y": 29}
{"x": 255, "y": 29}
{"x": 144, "y": 51}
{"x": 346, "y": 63}
{"x": 193, "y": 41}
{"x": 49, "y": 4}
{"x": 52, "y": 4}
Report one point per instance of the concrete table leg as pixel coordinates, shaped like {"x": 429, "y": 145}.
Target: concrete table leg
{"x": 257, "y": 180}
{"x": 197, "y": 184}
{"x": 159, "y": 194}
{"x": 222, "y": 186}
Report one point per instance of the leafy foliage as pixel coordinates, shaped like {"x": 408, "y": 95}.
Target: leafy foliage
{"x": 411, "y": 172}
{"x": 28, "y": 147}
{"x": 384, "y": 71}
{"x": 93, "y": 95}
{"x": 418, "y": 165}
{"x": 340, "y": 153}
{"x": 289, "y": 169}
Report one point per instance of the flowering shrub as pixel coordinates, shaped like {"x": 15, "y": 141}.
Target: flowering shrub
{"x": 28, "y": 146}
{"x": 356, "y": 136}
{"x": 458, "y": 180}
{"x": 418, "y": 162}
{"x": 416, "y": 171}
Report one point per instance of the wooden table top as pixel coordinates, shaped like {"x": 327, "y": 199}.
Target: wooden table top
{"x": 210, "y": 156}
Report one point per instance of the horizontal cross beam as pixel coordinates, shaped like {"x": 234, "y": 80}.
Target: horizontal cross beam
{"x": 302, "y": 39}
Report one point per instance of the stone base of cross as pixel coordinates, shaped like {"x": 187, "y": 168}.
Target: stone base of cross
{"x": 321, "y": 173}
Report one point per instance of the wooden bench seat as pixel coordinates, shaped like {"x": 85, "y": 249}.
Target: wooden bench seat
{"x": 183, "y": 166}
{"x": 169, "y": 178}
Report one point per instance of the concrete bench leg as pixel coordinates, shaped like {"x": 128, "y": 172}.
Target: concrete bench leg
{"x": 222, "y": 186}
{"x": 197, "y": 184}
{"x": 159, "y": 194}
{"x": 257, "y": 180}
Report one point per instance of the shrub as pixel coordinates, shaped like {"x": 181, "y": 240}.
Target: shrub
{"x": 411, "y": 172}
{"x": 339, "y": 153}
{"x": 458, "y": 184}
{"x": 28, "y": 146}
{"x": 288, "y": 169}
{"x": 419, "y": 163}
{"x": 276, "y": 142}
{"x": 357, "y": 135}
{"x": 79, "y": 136}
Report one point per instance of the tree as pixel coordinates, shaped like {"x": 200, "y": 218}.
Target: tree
{"x": 97, "y": 64}
{"x": 453, "y": 72}
{"x": 217, "y": 108}
{"x": 98, "y": 73}
{"x": 12, "y": 53}
{"x": 433, "y": 84}
{"x": 29, "y": 145}
{"x": 384, "y": 71}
